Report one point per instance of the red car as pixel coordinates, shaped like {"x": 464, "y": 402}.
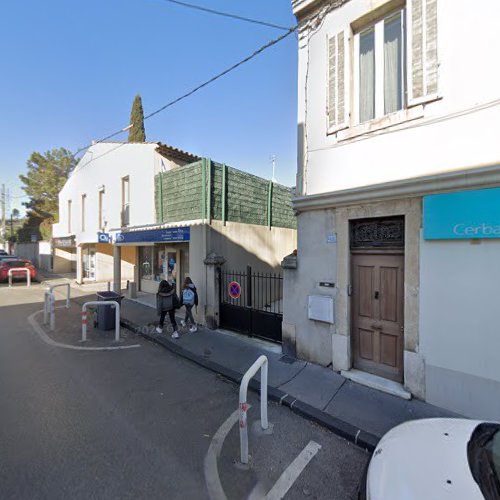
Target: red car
{"x": 6, "y": 264}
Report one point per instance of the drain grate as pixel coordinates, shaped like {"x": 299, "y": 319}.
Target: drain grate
{"x": 288, "y": 360}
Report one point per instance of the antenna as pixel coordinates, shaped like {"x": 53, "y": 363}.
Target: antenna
{"x": 273, "y": 161}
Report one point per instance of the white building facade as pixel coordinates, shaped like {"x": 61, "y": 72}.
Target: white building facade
{"x": 111, "y": 187}
{"x": 397, "y": 109}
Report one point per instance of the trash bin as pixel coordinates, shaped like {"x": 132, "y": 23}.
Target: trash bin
{"x": 106, "y": 314}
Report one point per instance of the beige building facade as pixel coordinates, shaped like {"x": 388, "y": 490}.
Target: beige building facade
{"x": 388, "y": 119}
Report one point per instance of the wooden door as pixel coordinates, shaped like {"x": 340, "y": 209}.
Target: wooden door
{"x": 377, "y": 314}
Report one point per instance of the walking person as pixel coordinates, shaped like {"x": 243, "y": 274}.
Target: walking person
{"x": 166, "y": 302}
{"x": 189, "y": 300}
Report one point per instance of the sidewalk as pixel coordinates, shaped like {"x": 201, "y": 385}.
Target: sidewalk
{"x": 358, "y": 413}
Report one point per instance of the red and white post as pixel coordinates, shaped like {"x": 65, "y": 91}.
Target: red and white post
{"x": 260, "y": 364}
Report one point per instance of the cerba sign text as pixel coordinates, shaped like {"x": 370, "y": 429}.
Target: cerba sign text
{"x": 462, "y": 215}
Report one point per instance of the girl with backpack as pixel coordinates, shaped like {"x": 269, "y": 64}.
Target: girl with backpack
{"x": 189, "y": 299}
{"x": 166, "y": 302}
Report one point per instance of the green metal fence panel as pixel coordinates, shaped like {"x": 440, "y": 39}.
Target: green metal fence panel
{"x": 182, "y": 193}
{"x": 282, "y": 210}
{"x": 211, "y": 190}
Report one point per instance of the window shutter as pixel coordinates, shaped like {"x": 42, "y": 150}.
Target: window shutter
{"x": 338, "y": 98}
{"x": 422, "y": 51}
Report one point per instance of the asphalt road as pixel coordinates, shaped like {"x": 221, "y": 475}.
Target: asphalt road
{"x": 140, "y": 423}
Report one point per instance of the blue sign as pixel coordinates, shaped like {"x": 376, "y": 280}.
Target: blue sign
{"x": 103, "y": 238}
{"x": 463, "y": 215}
{"x": 171, "y": 234}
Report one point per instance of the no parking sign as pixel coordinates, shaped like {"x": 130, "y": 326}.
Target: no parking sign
{"x": 234, "y": 290}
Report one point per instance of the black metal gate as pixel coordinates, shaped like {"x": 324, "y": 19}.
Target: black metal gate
{"x": 251, "y": 303}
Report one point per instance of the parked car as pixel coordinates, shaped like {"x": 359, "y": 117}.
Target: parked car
{"x": 3, "y": 252}
{"x": 12, "y": 262}
{"x": 7, "y": 256}
{"x": 438, "y": 458}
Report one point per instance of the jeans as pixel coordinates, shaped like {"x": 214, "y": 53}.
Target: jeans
{"x": 189, "y": 314}
{"x": 171, "y": 315}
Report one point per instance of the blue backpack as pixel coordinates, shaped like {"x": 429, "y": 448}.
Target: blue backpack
{"x": 188, "y": 296}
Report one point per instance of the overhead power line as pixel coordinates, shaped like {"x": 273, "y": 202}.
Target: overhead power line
{"x": 226, "y": 14}
{"x": 195, "y": 89}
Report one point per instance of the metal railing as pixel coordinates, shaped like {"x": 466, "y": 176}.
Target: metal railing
{"x": 101, "y": 303}
{"x": 49, "y": 309}
{"x": 260, "y": 364}
{"x": 259, "y": 291}
{"x": 68, "y": 291}
{"x": 26, "y": 270}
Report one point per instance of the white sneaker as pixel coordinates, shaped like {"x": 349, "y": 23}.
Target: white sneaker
{"x": 193, "y": 329}
{"x": 175, "y": 335}
{"x": 183, "y": 323}
{"x": 159, "y": 330}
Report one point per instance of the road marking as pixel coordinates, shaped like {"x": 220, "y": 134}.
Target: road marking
{"x": 212, "y": 479}
{"x": 38, "y": 329}
{"x": 292, "y": 472}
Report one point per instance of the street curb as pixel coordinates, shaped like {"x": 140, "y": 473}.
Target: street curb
{"x": 359, "y": 437}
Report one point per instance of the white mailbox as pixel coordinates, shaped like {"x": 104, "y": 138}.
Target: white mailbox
{"x": 321, "y": 308}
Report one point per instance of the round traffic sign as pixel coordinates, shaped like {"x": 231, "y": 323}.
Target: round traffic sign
{"x": 234, "y": 290}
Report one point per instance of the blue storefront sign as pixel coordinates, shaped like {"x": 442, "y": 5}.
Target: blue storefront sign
{"x": 171, "y": 234}
{"x": 103, "y": 238}
{"x": 462, "y": 215}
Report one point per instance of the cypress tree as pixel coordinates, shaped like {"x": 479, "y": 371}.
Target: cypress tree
{"x": 137, "y": 132}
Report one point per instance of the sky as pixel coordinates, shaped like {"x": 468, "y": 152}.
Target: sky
{"x": 70, "y": 71}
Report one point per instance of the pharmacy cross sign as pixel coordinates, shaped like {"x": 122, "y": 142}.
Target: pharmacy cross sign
{"x": 234, "y": 290}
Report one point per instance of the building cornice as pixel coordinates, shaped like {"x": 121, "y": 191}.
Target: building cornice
{"x": 302, "y": 7}
{"x": 309, "y": 8}
{"x": 476, "y": 178}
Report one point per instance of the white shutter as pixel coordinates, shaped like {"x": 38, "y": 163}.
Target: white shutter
{"x": 422, "y": 51}
{"x": 338, "y": 86}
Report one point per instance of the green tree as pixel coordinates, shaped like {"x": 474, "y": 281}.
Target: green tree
{"x": 137, "y": 132}
{"x": 31, "y": 226}
{"x": 47, "y": 174}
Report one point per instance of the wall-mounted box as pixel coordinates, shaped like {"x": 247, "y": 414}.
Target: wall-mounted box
{"x": 321, "y": 308}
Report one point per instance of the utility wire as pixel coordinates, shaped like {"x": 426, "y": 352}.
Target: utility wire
{"x": 225, "y": 72}
{"x": 196, "y": 89}
{"x": 226, "y": 14}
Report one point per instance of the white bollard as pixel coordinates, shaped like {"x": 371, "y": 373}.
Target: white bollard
{"x": 52, "y": 303}
{"x": 27, "y": 271}
{"x": 262, "y": 364}
{"x": 68, "y": 291}
{"x": 112, "y": 303}
{"x": 46, "y": 307}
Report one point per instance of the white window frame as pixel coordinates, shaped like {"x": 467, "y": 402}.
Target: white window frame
{"x": 379, "y": 66}
{"x": 125, "y": 200}
{"x": 101, "y": 208}
{"x": 69, "y": 215}
{"x": 83, "y": 203}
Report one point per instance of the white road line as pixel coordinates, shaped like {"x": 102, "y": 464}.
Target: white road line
{"x": 292, "y": 472}
{"x": 38, "y": 329}
{"x": 212, "y": 479}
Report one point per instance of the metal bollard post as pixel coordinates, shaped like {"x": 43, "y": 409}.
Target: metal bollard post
{"x": 84, "y": 325}
{"x": 52, "y": 302}
{"x": 262, "y": 364}
{"x": 46, "y": 307}
{"x": 27, "y": 271}
{"x": 112, "y": 304}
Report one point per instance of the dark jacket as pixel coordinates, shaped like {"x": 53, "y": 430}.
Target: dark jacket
{"x": 166, "y": 298}
{"x": 192, "y": 287}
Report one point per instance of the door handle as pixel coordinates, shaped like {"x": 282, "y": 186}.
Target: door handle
{"x": 376, "y": 294}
